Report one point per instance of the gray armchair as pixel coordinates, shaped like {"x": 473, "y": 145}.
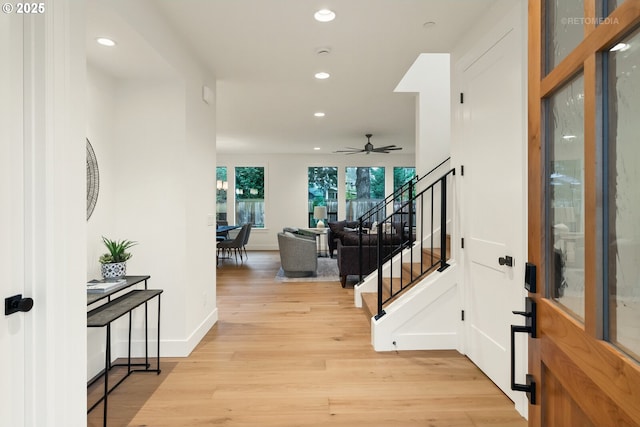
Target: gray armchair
{"x": 298, "y": 255}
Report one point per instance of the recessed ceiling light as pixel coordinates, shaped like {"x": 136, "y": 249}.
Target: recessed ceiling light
{"x": 324, "y": 15}
{"x": 105, "y": 41}
{"x": 620, "y": 47}
{"x": 316, "y": 148}
{"x": 322, "y": 75}
{"x": 319, "y": 114}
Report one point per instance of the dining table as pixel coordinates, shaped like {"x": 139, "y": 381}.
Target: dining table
{"x": 222, "y": 231}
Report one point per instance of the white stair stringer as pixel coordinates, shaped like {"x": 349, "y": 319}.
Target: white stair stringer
{"x": 427, "y": 317}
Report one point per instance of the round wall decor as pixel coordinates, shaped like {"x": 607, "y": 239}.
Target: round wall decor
{"x": 93, "y": 180}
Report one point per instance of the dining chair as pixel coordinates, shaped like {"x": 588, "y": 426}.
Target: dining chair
{"x": 246, "y": 239}
{"x": 234, "y": 244}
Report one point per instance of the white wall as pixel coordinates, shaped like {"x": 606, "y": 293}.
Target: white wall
{"x": 429, "y": 78}
{"x": 100, "y": 132}
{"x": 150, "y": 203}
{"x": 286, "y": 181}
{"x": 101, "y": 108}
{"x": 155, "y": 143}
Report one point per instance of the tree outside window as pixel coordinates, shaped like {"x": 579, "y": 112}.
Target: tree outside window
{"x": 364, "y": 189}
{"x": 323, "y": 191}
{"x": 250, "y": 196}
{"x": 222, "y": 185}
{"x": 402, "y": 175}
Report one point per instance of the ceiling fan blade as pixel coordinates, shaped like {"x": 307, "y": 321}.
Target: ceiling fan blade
{"x": 389, "y": 147}
{"x": 350, "y": 151}
{"x": 369, "y": 148}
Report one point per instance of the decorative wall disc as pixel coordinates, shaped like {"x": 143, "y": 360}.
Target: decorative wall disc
{"x": 93, "y": 180}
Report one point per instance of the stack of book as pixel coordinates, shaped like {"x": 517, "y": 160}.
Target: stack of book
{"x": 104, "y": 285}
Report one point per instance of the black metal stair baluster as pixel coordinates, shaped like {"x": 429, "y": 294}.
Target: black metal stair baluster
{"x": 443, "y": 224}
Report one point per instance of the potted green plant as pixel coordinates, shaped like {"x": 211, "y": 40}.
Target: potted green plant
{"x": 114, "y": 262}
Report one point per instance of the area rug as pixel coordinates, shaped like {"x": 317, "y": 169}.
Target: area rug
{"x": 327, "y": 272}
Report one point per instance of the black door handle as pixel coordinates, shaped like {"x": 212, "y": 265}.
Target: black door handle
{"x": 529, "y": 328}
{"x": 16, "y": 303}
{"x": 506, "y": 260}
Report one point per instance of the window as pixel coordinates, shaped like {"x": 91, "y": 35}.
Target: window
{"x": 623, "y": 201}
{"x": 222, "y": 185}
{"x": 250, "y": 196}
{"x": 323, "y": 191}
{"x": 564, "y": 21}
{"x": 402, "y": 175}
{"x": 566, "y": 189}
{"x": 365, "y": 189}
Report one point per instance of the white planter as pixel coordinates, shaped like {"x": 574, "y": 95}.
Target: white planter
{"x": 114, "y": 270}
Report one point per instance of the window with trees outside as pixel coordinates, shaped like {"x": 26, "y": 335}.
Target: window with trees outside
{"x": 323, "y": 191}
{"x": 250, "y": 196}
{"x": 222, "y": 185}
{"x": 402, "y": 175}
{"x": 364, "y": 189}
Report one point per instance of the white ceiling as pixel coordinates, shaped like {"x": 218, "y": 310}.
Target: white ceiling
{"x": 263, "y": 53}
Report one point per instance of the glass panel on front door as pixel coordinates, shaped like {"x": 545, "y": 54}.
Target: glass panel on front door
{"x": 565, "y": 118}
{"x": 565, "y": 29}
{"x": 624, "y": 197}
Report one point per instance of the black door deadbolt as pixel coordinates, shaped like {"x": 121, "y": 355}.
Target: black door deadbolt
{"x": 16, "y": 303}
{"x": 506, "y": 260}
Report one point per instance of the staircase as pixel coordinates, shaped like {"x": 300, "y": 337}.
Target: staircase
{"x": 406, "y": 281}
{"x": 412, "y": 299}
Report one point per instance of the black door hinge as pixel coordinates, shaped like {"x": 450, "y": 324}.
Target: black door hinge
{"x": 461, "y": 170}
{"x": 462, "y": 315}
{"x": 462, "y": 243}
{"x": 461, "y": 98}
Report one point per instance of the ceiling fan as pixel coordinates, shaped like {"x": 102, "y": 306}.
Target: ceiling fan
{"x": 369, "y": 148}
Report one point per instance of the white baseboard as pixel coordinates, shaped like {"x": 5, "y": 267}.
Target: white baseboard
{"x": 169, "y": 348}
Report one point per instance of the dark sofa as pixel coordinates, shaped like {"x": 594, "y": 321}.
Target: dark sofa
{"x": 336, "y": 231}
{"x": 348, "y": 252}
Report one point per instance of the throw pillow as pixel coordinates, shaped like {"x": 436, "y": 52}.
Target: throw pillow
{"x": 337, "y": 226}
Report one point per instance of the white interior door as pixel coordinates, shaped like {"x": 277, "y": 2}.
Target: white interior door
{"x": 494, "y": 203}
{"x": 13, "y": 328}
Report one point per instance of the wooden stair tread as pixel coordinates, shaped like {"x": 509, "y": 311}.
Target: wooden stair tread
{"x": 370, "y": 303}
{"x": 429, "y": 257}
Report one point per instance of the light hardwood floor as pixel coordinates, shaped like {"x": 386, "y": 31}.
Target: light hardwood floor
{"x": 299, "y": 354}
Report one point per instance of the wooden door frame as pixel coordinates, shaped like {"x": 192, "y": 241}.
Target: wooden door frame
{"x": 606, "y": 368}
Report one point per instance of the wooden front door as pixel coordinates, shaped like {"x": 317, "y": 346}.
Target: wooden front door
{"x": 584, "y": 211}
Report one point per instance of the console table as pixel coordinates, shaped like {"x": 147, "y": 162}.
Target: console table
{"x": 112, "y": 310}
